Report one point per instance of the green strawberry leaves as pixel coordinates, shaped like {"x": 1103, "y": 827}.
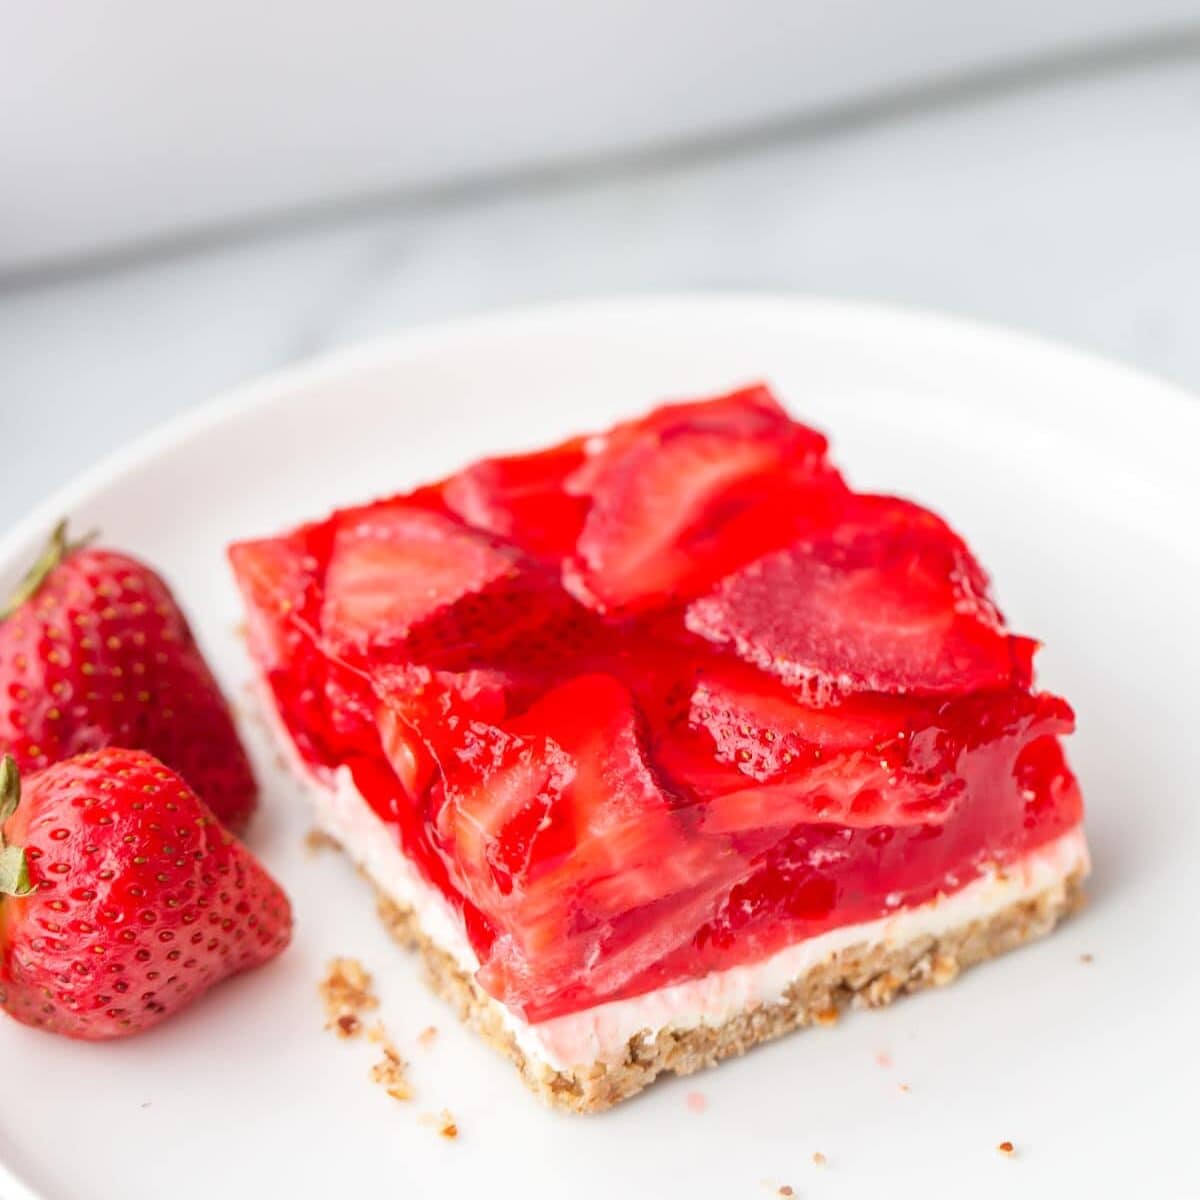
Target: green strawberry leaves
{"x": 14, "y": 867}
{"x": 57, "y": 548}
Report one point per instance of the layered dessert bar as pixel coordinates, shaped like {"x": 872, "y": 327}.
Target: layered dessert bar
{"x": 664, "y": 741}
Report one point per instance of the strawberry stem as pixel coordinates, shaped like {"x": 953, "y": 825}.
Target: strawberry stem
{"x": 56, "y": 549}
{"x": 14, "y": 867}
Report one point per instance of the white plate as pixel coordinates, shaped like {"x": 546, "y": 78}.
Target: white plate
{"x": 1076, "y": 482}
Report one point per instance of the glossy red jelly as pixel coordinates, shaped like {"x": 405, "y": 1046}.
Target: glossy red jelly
{"x": 662, "y": 701}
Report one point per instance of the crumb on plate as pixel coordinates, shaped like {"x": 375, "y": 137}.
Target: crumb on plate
{"x": 391, "y": 1070}
{"x": 316, "y": 840}
{"x": 1007, "y": 1149}
{"x": 346, "y": 992}
{"x": 427, "y": 1035}
{"x": 819, "y": 1160}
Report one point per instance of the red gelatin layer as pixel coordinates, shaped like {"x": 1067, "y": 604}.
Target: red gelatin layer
{"x": 661, "y": 701}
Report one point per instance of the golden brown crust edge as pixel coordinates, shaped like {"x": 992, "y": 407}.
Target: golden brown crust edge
{"x": 865, "y": 976}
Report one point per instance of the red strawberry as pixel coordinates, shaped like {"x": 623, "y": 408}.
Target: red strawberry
{"x": 890, "y": 600}
{"x": 760, "y": 728}
{"x": 522, "y": 498}
{"x": 574, "y": 764}
{"x": 824, "y": 797}
{"x": 415, "y": 707}
{"x": 750, "y": 412}
{"x": 95, "y": 652}
{"x": 756, "y": 758}
{"x": 407, "y": 584}
{"x": 557, "y": 822}
{"x": 689, "y": 494}
{"x": 867, "y": 761}
{"x": 280, "y": 580}
{"x": 122, "y": 899}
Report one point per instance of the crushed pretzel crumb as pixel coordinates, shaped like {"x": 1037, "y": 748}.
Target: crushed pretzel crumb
{"x": 904, "y": 1087}
{"x": 945, "y": 970}
{"x": 1007, "y": 1149}
{"x": 390, "y": 1070}
{"x": 427, "y": 1035}
{"x": 1087, "y": 958}
{"x": 819, "y": 1160}
{"x": 316, "y": 840}
{"x": 346, "y": 991}
{"x": 446, "y": 1125}
{"x": 787, "y": 1190}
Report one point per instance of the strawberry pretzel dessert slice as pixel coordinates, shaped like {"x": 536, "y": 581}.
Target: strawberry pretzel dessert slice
{"x": 663, "y": 742}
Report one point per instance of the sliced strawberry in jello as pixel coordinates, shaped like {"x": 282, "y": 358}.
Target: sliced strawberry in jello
{"x": 559, "y": 828}
{"x": 759, "y": 758}
{"x": 619, "y": 813}
{"x": 670, "y": 496}
{"x": 762, "y": 729}
{"x": 280, "y": 581}
{"x": 421, "y": 712}
{"x": 576, "y": 757}
{"x": 889, "y": 600}
{"x": 749, "y": 412}
{"x": 523, "y": 498}
{"x": 501, "y": 797}
{"x": 408, "y": 584}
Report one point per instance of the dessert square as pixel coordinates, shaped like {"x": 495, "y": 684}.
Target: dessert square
{"x": 664, "y": 741}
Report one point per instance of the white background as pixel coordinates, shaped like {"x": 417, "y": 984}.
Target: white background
{"x": 1060, "y": 197}
{"x": 127, "y": 120}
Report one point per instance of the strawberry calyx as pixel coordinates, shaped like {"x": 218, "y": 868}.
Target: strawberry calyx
{"x": 57, "y": 548}
{"x": 14, "y": 867}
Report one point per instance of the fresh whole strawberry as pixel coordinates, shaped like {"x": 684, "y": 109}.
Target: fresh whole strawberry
{"x": 122, "y": 898}
{"x": 95, "y": 652}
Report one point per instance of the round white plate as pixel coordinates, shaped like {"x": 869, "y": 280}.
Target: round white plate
{"x": 1075, "y": 481}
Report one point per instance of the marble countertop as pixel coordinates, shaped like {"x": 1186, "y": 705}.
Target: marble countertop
{"x": 1068, "y": 205}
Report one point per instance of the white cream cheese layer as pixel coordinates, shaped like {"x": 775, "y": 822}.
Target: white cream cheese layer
{"x": 603, "y": 1032}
